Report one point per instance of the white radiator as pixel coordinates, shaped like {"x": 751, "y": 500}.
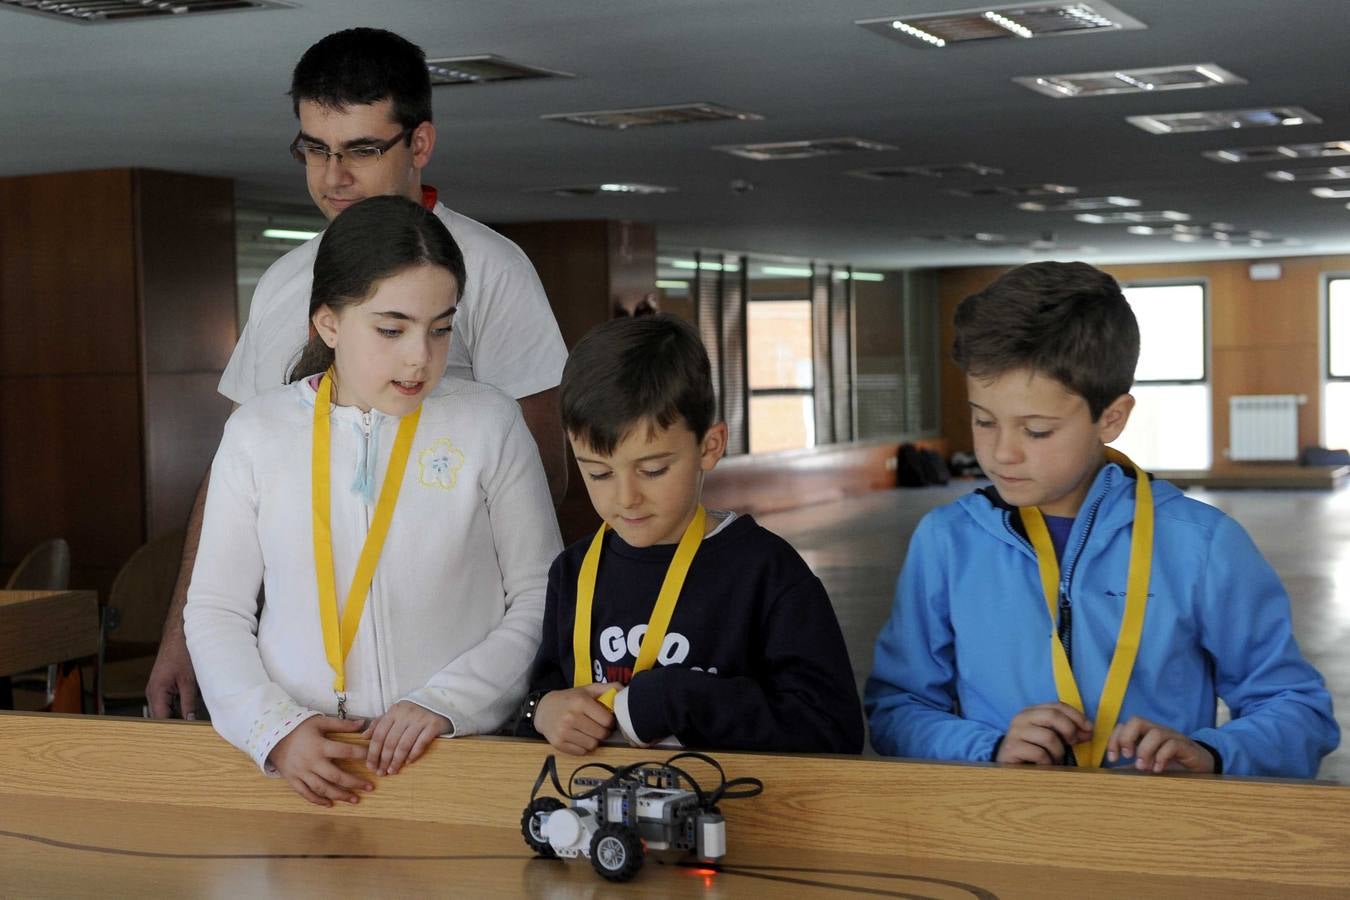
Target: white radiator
{"x": 1263, "y": 427}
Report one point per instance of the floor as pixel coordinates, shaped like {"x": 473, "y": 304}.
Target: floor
{"x": 857, "y": 545}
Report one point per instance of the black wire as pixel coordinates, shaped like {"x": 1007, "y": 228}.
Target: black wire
{"x": 734, "y": 789}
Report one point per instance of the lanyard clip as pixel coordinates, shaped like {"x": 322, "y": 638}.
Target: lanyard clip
{"x": 342, "y": 704}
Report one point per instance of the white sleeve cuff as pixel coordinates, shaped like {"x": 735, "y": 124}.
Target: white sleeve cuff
{"x": 625, "y": 720}
{"x": 276, "y": 722}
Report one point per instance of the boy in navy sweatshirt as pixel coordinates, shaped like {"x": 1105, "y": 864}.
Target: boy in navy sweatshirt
{"x": 747, "y": 653}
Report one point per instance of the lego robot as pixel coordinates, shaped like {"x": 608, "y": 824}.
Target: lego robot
{"x": 614, "y": 819}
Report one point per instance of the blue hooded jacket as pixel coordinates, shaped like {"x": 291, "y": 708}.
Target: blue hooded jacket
{"x": 967, "y": 645}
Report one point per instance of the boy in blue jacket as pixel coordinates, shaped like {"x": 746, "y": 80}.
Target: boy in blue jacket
{"x": 1076, "y": 612}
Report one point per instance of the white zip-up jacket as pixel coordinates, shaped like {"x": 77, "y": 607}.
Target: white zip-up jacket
{"x": 454, "y": 613}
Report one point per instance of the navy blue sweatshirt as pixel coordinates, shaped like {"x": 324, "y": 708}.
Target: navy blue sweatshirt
{"x": 753, "y": 658}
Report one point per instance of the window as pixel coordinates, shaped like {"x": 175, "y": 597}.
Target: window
{"x": 1336, "y": 390}
{"x": 782, "y": 404}
{"x": 1170, "y": 426}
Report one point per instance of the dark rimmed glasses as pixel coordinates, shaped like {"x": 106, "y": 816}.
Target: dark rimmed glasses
{"x": 316, "y": 156}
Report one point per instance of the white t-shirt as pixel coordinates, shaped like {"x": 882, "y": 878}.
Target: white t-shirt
{"x": 504, "y": 331}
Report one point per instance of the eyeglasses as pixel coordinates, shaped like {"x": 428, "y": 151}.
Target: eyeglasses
{"x": 316, "y": 155}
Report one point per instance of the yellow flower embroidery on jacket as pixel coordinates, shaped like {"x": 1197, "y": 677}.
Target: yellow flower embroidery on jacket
{"x": 440, "y": 464}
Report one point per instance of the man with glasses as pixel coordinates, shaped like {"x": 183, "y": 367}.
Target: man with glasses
{"x": 363, "y": 98}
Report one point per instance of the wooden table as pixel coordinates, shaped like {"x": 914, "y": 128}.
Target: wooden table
{"x": 106, "y": 807}
{"x": 38, "y": 628}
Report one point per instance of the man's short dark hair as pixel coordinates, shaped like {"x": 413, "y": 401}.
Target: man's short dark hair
{"x": 628, "y": 371}
{"x": 1069, "y": 321}
{"x": 361, "y": 66}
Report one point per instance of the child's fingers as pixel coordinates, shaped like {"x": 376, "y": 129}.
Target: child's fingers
{"x": 1171, "y": 749}
{"x": 391, "y": 742}
{"x": 1127, "y": 736}
{"x": 423, "y": 741}
{"x": 599, "y": 714}
{"x": 404, "y": 747}
{"x": 595, "y": 689}
{"x": 1079, "y": 719}
{"x": 1055, "y": 719}
{"x": 1046, "y": 738}
{"x": 585, "y": 723}
{"x": 339, "y": 750}
{"x": 343, "y": 780}
{"x": 378, "y": 735}
{"x": 299, "y": 786}
{"x": 1147, "y": 749}
{"x": 329, "y": 724}
{"x": 325, "y": 788}
{"x": 1020, "y": 751}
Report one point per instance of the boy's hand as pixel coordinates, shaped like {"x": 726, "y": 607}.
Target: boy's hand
{"x": 1039, "y": 734}
{"x": 1155, "y": 747}
{"x": 573, "y": 720}
{"x": 305, "y": 759}
{"x": 400, "y": 735}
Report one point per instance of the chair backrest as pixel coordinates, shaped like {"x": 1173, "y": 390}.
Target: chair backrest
{"x": 143, "y": 589}
{"x": 45, "y": 568}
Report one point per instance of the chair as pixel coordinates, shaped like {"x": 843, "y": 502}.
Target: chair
{"x": 45, "y": 568}
{"x": 138, "y": 604}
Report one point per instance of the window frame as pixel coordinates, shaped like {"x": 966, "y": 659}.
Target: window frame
{"x": 1206, "y": 362}
{"x": 1324, "y": 345}
{"x": 752, "y": 392}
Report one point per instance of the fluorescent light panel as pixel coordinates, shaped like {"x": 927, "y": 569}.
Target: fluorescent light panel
{"x": 937, "y": 170}
{"x": 610, "y": 188}
{"x": 1280, "y": 152}
{"x": 288, "y": 234}
{"x": 644, "y": 116}
{"x": 453, "y": 70}
{"x": 108, "y": 12}
{"x": 1331, "y": 193}
{"x": 1130, "y": 81}
{"x": 1077, "y": 204}
{"x": 1131, "y": 217}
{"x": 1323, "y": 173}
{"x": 1020, "y": 21}
{"x": 1022, "y": 190}
{"x": 802, "y": 149}
{"x": 1224, "y": 119}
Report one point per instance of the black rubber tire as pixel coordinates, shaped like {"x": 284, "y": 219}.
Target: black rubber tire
{"x": 616, "y": 852}
{"x": 529, "y": 828}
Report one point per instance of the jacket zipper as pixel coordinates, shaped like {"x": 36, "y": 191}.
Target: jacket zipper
{"x": 366, "y": 422}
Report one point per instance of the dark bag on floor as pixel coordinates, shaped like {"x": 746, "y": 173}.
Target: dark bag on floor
{"x": 916, "y": 467}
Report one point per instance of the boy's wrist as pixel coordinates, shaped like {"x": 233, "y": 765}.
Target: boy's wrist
{"x": 529, "y": 708}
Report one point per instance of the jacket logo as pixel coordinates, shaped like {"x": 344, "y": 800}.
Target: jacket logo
{"x": 440, "y": 463}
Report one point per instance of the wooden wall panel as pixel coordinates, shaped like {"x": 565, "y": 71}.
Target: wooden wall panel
{"x": 185, "y": 243}
{"x": 184, "y": 418}
{"x": 572, "y": 259}
{"x": 1265, "y": 336}
{"x": 67, "y": 274}
{"x": 70, "y": 466}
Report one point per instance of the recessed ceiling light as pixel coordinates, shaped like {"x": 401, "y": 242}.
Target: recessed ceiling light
{"x": 691, "y": 265}
{"x": 1033, "y": 20}
{"x": 1331, "y": 193}
{"x": 1128, "y": 217}
{"x": 1077, "y": 204}
{"x": 1130, "y": 81}
{"x": 984, "y": 238}
{"x": 642, "y": 116}
{"x": 1223, "y": 120}
{"x": 802, "y": 149}
{"x": 107, "y": 12}
{"x": 938, "y": 170}
{"x": 1279, "y": 152}
{"x": 483, "y": 68}
{"x": 607, "y": 188}
{"x": 1022, "y": 190}
{"x": 1323, "y": 173}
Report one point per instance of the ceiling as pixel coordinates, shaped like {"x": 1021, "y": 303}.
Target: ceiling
{"x": 206, "y": 94}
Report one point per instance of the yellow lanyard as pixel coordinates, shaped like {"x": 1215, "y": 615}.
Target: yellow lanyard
{"x": 1089, "y": 754}
{"x": 661, "y": 613}
{"x": 337, "y": 642}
